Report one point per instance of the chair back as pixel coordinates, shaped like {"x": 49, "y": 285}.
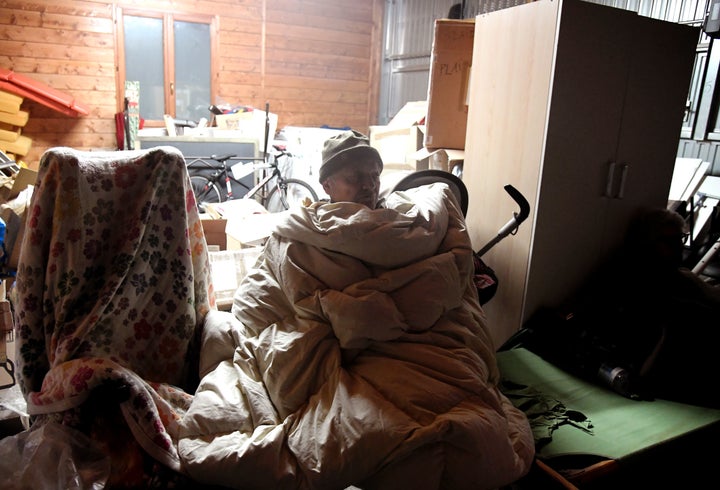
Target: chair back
{"x": 113, "y": 265}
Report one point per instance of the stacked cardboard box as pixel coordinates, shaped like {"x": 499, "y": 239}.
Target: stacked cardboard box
{"x": 12, "y": 120}
{"x": 431, "y": 134}
{"x": 399, "y": 140}
{"x": 234, "y": 232}
{"x": 250, "y": 124}
{"x": 228, "y": 269}
{"x": 446, "y": 122}
{"x": 450, "y": 62}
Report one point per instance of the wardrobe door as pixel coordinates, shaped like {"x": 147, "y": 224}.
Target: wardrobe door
{"x": 661, "y": 65}
{"x": 586, "y": 112}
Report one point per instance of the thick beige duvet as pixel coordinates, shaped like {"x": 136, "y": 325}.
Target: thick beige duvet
{"x": 356, "y": 354}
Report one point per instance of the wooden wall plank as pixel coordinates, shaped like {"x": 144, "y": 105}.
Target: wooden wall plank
{"x": 339, "y": 9}
{"x": 292, "y": 44}
{"x": 56, "y": 22}
{"x": 32, "y": 66}
{"x": 311, "y": 60}
{"x": 44, "y": 35}
{"x": 248, "y": 24}
{"x": 326, "y": 34}
{"x": 75, "y": 8}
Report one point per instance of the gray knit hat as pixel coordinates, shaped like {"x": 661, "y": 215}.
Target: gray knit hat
{"x": 345, "y": 147}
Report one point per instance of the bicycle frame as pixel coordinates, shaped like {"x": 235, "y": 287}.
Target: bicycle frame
{"x": 228, "y": 182}
{"x": 259, "y": 191}
{"x": 218, "y": 174}
{"x": 263, "y": 182}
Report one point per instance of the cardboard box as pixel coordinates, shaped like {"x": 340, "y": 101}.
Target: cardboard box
{"x": 251, "y": 230}
{"x": 242, "y": 223}
{"x": 446, "y": 159}
{"x": 450, "y": 62}
{"x": 412, "y": 114}
{"x": 397, "y": 145}
{"x": 214, "y": 230}
{"x": 24, "y": 178}
{"x": 249, "y": 125}
{"x": 228, "y": 268}
{"x": 401, "y": 138}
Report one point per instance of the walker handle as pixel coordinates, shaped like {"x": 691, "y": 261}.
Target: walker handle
{"x": 521, "y": 201}
{"x": 512, "y": 225}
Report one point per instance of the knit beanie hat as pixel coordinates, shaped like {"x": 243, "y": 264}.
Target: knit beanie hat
{"x": 345, "y": 147}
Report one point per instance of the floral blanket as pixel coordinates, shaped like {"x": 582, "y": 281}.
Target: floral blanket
{"x": 112, "y": 290}
{"x": 357, "y": 354}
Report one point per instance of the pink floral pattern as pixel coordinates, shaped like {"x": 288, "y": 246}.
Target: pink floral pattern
{"x": 112, "y": 288}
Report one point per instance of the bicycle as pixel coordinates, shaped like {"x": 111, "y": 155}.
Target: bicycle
{"x": 274, "y": 191}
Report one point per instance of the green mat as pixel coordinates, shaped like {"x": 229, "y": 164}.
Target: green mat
{"x": 620, "y": 427}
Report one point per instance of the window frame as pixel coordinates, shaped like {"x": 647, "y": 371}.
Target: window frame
{"x": 168, "y": 19}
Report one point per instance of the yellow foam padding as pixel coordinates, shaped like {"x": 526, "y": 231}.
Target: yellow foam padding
{"x": 12, "y": 100}
{"x": 21, "y": 146}
{"x": 8, "y": 107}
{"x": 9, "y": 135}
{"x": 19, "y": 118}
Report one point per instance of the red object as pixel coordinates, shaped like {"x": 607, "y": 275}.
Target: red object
{"x": 120, "y": 130}
{"x": 39, "y": 92}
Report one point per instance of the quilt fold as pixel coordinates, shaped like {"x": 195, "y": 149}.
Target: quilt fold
{"x": 357, "y": 354}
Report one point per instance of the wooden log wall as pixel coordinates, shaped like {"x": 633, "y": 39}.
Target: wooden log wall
{"x": 317, "y": 62}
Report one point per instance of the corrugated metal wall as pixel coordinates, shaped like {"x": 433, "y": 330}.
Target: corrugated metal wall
{"x": 670, "y": 10}
{"x": 407, "y": 45}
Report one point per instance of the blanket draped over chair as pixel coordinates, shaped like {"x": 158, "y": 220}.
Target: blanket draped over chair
{"x": 357, "y": 354}
{"x": 112, "y": 291}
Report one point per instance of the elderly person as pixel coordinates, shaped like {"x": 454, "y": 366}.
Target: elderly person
{"x": 359, "y": 354}
{"x": 350, "y": 169}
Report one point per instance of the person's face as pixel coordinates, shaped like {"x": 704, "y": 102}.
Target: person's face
{"x": 357, "y": 182}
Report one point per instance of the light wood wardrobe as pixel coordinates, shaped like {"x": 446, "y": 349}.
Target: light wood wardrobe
{"x": 579, "y": 106}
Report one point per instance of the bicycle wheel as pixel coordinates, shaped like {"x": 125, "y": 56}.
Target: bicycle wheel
{"x": 205, "y": 190}
{"x": 291, "y": 192}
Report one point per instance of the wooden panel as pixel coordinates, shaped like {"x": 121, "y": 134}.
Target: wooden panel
{"x": 504, "y": 143}
{"x": 336, "y": 10}
{"x": 58, "y": 67}
{"x": 310, "y": 60}
{"x": 658, "y": 84}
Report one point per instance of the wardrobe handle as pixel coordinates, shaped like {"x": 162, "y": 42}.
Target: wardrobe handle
{"x": 610, "y": 180}
{"x": 623, "y": 178}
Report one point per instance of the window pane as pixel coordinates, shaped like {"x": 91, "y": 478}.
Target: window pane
{"x": 192, "y": 70}
{"x": 144, "y": 62}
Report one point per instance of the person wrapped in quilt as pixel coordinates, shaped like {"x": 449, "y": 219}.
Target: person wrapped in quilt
{"x": 356, "y": 352}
